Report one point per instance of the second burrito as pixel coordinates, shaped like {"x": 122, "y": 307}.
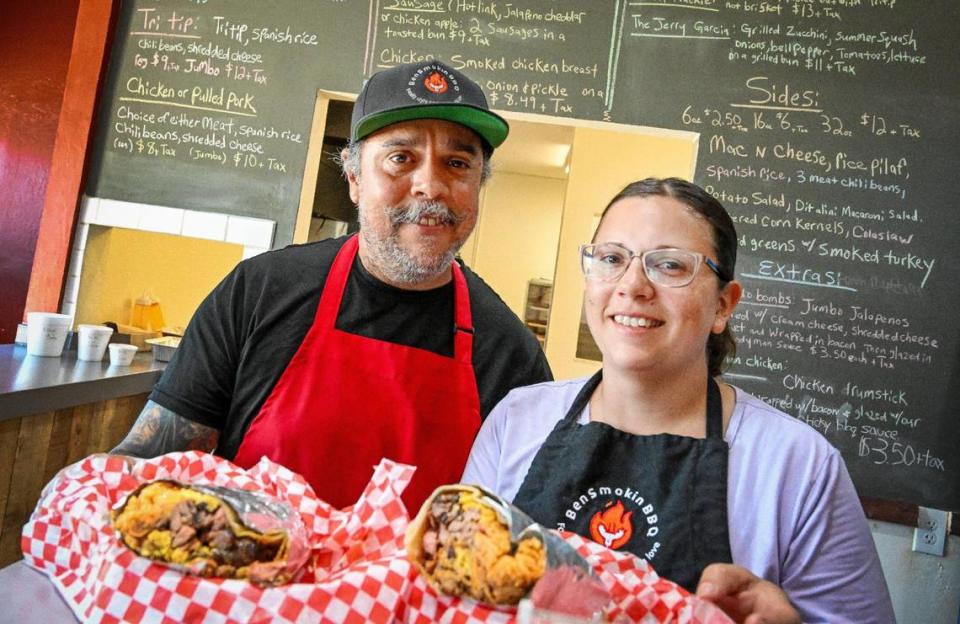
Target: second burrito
{"x": 469, "y": 542}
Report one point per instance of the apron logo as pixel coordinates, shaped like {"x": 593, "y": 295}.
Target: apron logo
{"x": 600, "y": 513}
{"x": 611, "y": 526}
{"x": 435, "y": 83}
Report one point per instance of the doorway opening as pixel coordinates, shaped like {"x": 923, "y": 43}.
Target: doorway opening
{"x": 551, "y": 179}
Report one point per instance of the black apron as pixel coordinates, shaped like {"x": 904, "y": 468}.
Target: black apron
{"x": 662, "y": 497}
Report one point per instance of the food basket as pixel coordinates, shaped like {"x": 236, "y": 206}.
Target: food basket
{"x": 359, "y": 571}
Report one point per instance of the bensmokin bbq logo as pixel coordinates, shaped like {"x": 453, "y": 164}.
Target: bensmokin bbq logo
{"x": 612, "y": 527}
{"x": 435, "y": 83}
{"x": 429, "y": 83}
{"x": 610, "y": 517}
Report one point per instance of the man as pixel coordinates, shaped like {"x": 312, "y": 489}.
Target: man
{"x": 327, "y": 357}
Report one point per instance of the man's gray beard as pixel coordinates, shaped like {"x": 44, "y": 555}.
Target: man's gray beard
{"x": 391, "y": 259}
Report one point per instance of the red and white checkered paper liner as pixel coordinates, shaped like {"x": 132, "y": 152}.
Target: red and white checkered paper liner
{"x": 362, "y": 573}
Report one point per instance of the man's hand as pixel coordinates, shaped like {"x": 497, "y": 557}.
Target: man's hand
{"x": 159, "y": 430}
{"x": 745, "y": 597}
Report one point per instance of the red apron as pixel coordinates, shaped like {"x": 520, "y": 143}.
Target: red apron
{"x": 346, "y": 401}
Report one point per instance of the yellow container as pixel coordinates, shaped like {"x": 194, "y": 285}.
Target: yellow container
{"x": 147, "y": 313}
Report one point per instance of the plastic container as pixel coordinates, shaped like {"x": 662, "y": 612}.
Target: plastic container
{"x": 146, "y": 313}
{"x": 163, "y": 348}
{"x": 46, "y": 333}
{"x": 121, "y": 354}
{"x": 92, "y": 342}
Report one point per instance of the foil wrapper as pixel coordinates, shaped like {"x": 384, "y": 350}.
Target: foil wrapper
{"x": 225, "y": 532}
{"x": 469, "y": 542}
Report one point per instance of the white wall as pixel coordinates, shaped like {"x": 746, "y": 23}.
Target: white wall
{"x": 517, "y": 235}
{"x": 925, "y": 589}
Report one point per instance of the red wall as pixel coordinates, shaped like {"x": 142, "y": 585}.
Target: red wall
{"x": 35, "y": 44}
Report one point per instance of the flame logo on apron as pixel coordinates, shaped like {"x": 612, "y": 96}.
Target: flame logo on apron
{"x": 611, "y": 527}
{"x": 435, "y": 83}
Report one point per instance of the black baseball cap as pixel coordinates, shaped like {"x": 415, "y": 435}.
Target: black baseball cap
{"x": 425, "y": 90}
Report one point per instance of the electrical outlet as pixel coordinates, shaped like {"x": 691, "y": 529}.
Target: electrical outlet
{"x": 930, "y": 536}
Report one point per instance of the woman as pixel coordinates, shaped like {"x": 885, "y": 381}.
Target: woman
{"x": 657, "y": 456}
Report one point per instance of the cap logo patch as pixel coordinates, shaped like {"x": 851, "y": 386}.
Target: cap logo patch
{"x": 432, "y": 84}
{"x": 435, "y": 83}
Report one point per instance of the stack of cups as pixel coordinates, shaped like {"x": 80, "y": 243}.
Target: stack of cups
{"x": 46, "y": 333}
{"x": 93, "y": 340}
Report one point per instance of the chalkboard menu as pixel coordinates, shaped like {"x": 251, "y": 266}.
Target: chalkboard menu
{"x": 208, "y": 104}
{"x": 827, "y": 127}
{"x": 829, "y": 131}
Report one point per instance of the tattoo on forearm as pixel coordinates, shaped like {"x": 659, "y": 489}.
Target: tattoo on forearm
{"x": 159, "y": 430}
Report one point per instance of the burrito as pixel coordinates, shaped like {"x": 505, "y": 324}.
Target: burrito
{"x": 461, "y": 542}
{"x": 197, "y": 529}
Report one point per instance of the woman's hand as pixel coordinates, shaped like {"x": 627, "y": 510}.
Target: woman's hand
{"x": 745, "y": 597}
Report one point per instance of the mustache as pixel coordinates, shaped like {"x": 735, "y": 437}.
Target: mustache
{"x": 417, "y": 210}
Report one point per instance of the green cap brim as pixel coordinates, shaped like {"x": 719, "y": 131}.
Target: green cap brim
{"x": 491, "y": 127}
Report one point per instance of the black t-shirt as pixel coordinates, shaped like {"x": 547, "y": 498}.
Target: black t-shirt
{"x": 247, "y": 330}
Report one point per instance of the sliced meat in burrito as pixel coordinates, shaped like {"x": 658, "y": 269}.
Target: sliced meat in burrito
{"x": 195, "y": 527}
{"x": 462, "y": 544}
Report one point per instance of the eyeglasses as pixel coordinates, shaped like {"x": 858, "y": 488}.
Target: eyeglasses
{"x": 674, "y": 268}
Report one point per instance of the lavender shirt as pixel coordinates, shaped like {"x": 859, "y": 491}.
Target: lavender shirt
{"x": 794, "y": 515}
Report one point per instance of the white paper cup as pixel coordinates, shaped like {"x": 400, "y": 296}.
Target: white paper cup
{"x": 46, "y": 333}
{"x": 122, "y": 354}
{"x": 92, "y": 342}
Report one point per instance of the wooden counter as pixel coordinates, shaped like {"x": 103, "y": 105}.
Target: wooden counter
{"x": 53, "y": 412}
